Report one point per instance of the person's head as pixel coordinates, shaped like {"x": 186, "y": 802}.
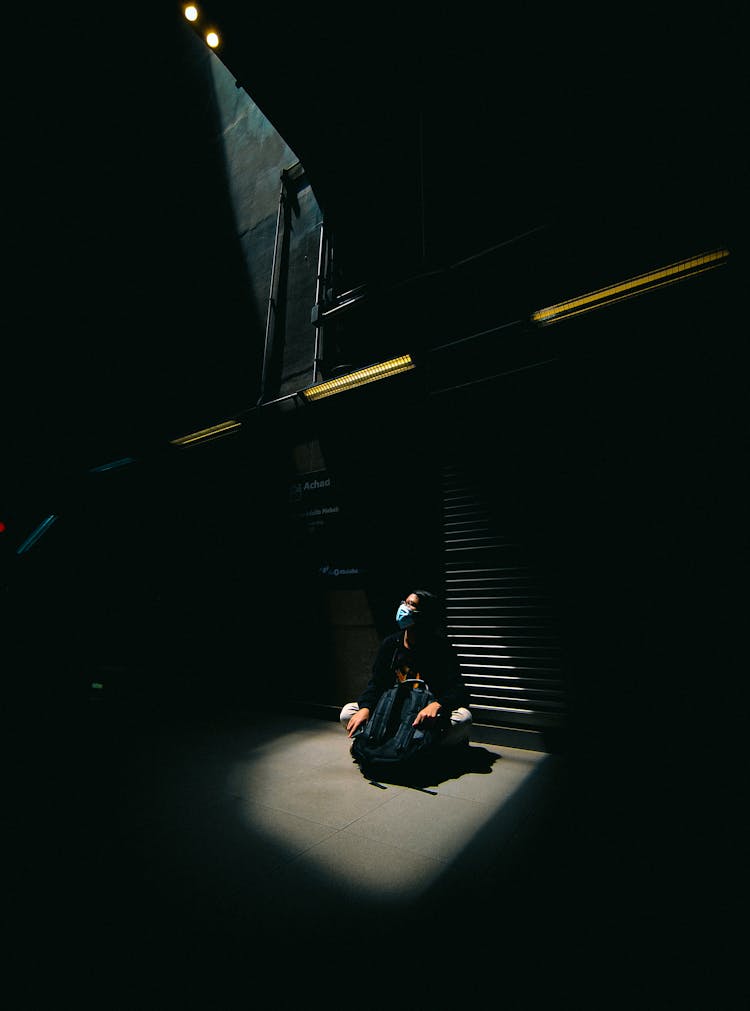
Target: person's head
{"x": 418, "y": 609}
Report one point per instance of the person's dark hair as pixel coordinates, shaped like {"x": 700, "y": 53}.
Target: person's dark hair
{"x": 428, "y": 608}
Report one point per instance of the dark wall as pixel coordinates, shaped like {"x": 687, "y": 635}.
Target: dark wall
{"x": 168, "y": 580}
{"x": 127, "y": 269}
{"x": 609, "y": 444}
{"x": 148, "y": 321}
{"x": 146, "y": 191}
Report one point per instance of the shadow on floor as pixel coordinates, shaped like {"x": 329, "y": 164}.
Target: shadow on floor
{"x": 138, "y": 882}
{"x": 447, "y": 764}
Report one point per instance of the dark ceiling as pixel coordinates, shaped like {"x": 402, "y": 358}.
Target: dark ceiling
{"x": 428, "y": 137}
{"x": 455, "y": 128}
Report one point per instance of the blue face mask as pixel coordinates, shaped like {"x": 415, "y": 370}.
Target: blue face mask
{"x": 405, "y": 617}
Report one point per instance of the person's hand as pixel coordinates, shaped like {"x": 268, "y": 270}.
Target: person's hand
{"x": 361, "y": 716}
{"x": 428, "y": 713}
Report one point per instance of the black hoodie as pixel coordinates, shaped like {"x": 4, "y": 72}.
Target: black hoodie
{"x": 432, "y": 659}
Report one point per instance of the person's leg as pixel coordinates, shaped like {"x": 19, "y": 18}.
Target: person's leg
{"x": 460, "y": 728}
{"x": 347, "y": 712}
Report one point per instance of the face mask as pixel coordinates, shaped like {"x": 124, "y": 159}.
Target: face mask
{"x": 405, "y": 617}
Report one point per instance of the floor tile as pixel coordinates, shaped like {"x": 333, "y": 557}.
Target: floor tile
{"x": 434, "y": 826}
{"x": 359, "y": 869}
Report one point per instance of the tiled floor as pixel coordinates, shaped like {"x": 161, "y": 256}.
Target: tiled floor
{"x": 278, "y": 808}
{"x": 243, "y": 837}
{"x": 204, "y": 855}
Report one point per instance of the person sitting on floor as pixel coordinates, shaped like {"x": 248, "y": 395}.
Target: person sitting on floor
{"x": 417, "y": 650}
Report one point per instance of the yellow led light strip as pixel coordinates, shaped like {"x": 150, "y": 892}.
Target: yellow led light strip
{"x": 359, "y": 378}
{"x": 634, "y": 286}
{"x": 224, "y": 428}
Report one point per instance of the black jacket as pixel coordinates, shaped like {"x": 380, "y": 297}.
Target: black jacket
{"x": 433, "y": 659}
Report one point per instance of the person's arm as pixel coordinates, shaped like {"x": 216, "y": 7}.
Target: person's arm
{"x": 381, "y": 676}
{"x": 380, "y": 679}
{"x": 452, "y": 693}
{"x": 430, "y": 712}
{"x": 447, "y": 686}
{"x": 361, "y": 716}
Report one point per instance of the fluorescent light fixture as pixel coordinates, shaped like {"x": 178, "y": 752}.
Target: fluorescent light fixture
{"x": 113, "y": 465}
{"x": 206, "y": 434}
{"x": 36, "y": 534}
{"x": 633, "y": 286}
{"x": 383, "y": 370}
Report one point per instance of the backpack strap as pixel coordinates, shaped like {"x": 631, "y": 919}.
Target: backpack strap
{"x": 399, "y": 645}
{"x": 377, "y": 724}
{"x": 418, "y": 695}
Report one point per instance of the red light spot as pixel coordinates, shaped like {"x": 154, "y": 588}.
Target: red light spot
{"x": 2, "y": 527}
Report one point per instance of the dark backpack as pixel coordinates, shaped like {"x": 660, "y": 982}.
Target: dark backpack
{"x": 389, "y": 748}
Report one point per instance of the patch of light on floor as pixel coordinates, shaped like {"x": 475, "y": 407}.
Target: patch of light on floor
{"x": 378, "y": 840}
